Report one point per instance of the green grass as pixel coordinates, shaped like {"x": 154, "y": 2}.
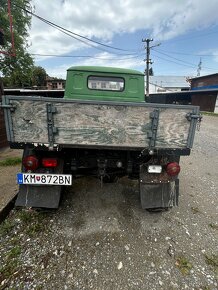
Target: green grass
{"x": 183, "y": 265}
{"x": 209, "y": 114}
{"x": 6, "y": 227}
{"x": 212, "y": 261}
{"x": 11, "y": 161}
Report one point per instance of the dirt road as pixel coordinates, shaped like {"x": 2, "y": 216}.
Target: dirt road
{"x": 100, "y": 238}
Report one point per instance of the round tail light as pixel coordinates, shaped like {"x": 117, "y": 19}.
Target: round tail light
{"x": 31, "y": 162}
{"x": 173, "y": 169}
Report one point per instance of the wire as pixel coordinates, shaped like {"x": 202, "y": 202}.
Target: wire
{"x": 85, "y": 56}
{"x": 183, "y": 53}
{"x": 66, "y": 31}
{"x": 182, "y": 61}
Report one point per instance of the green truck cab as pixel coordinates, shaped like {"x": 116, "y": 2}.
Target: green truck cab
{"x": 103, "y": 128}
{"x": 104, "y": 84}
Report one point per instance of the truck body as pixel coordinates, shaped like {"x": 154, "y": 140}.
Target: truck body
{"x": 104, "y": 128}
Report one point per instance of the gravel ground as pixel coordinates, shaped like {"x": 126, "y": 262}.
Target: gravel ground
{"x": 100, "y": 238}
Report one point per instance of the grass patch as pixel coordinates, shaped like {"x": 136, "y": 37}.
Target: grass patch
{"x": 11, "y": 161}
{"x": 183, "y": 265}
{"x": 212, "y": 261}
{"x": 33, "y": 221}
{"x": 6, "y": 227}
{"x": 11, "y": 265}
{"x": 209, "y": 114}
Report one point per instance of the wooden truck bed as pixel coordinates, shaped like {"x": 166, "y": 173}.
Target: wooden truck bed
{"x": 52, "y": 122}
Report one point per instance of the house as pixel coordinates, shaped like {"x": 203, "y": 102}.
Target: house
{"x": 55, "y": 84}
{"x": 208, "y": 100}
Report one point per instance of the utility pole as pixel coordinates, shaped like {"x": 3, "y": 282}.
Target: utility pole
{"x": 199, "y": 68}
{"x": 148, "y": 61}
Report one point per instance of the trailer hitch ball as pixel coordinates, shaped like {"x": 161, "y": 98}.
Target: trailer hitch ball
{"x": 151, "y": 152}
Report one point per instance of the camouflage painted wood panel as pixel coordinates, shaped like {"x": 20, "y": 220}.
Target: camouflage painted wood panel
{"x": 101, "y": 125}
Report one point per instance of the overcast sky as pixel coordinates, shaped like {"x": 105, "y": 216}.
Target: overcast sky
{"x": 186, "y": 29}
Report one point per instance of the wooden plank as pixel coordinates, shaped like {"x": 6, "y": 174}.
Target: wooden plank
{"x": 99, "y": 125}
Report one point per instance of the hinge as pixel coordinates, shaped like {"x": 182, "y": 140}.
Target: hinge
{"x": 152, "y": 133}
{"x": 52, "y": 130}
{"x": 196, "y": 117}
{"x": 10, "y": 106}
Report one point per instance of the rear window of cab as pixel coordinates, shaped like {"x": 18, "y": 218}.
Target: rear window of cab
{"x": 106, "y": 83}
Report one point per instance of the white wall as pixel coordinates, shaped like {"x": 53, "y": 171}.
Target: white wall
{"x": 216, "y": 106}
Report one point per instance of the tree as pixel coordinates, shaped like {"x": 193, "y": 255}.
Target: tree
{"x": 16, "y": 70}
{"x": 38, "y": 76}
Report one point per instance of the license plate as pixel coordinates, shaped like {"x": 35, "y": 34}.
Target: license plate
{"x": 154, "y": 169}
{"x": 46, "y": 179}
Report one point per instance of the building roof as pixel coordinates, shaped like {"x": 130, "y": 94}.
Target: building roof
{"x": 105, "y": 69}
{"x": 169, "y": 81}
{"x": 205, "y": 76}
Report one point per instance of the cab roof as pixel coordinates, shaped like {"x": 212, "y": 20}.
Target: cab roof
{"x": 104, "y": 69}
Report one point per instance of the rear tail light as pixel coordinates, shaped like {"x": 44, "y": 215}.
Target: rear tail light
{"x": 31, "y": 162}
{"x": 173, "y": 169}
{"x": 49, "y": 162}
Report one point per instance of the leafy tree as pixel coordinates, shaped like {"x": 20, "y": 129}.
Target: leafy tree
{"x": 16, "y": 70}
{"x": 38, "y": 76}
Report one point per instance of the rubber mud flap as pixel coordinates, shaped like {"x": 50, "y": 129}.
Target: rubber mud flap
{"x": 39, "y": 196}
{"x": 156, "y": 195}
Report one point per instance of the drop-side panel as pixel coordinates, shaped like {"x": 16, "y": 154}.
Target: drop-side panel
{"x": 99, "y": 123}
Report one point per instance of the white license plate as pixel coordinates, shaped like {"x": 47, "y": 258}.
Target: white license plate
{"x": 46, "y": 179}
{"x": 154, "y": 169}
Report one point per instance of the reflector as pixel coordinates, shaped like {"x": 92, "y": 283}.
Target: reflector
{"x": 173, "y": 169}
{"x": 31, "y": 162}
{"x": 49, "y": 162}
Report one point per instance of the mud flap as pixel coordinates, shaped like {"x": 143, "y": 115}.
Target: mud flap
{"x": 163, "y": 195}
{"x": 39, "y": 196}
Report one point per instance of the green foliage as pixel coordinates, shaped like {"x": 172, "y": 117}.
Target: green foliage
{"x": 210, "y": 114}
{"x": 16, "y": 70}
{"x": 6, "y": 227}
{"x": 10, "y": 161}
{"x": 38, "y": 76}
{"x": 183, "y": 265}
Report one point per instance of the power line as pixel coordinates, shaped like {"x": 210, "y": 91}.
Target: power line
{"x": 71, "y": 33}
{"x": 84, "y": 56}
{"x": 182, "y": 61}
{"x": 184, "y": 53}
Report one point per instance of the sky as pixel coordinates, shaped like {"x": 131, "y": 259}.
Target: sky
{"x": 183, "y": 32}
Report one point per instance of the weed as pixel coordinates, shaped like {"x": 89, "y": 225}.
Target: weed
{"x": 14, "y": 252}
{"x": 183, "y": 265}
{"x": 195, "y": 210}
{"x": 6, "y": 227}
{"x": 11, "y": 161}
{"x": 212, "y": 261}
{"x": 213, "y": 226}
{"x": 8, "y": 269}
{"x": 210, "y": 114}
{"x": 33, "y": 221}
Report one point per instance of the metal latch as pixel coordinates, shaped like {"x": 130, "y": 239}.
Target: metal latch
{"x": 152, "y": 134}
{"x": 194, "y": 116}
{"x": 51, "y": 110}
